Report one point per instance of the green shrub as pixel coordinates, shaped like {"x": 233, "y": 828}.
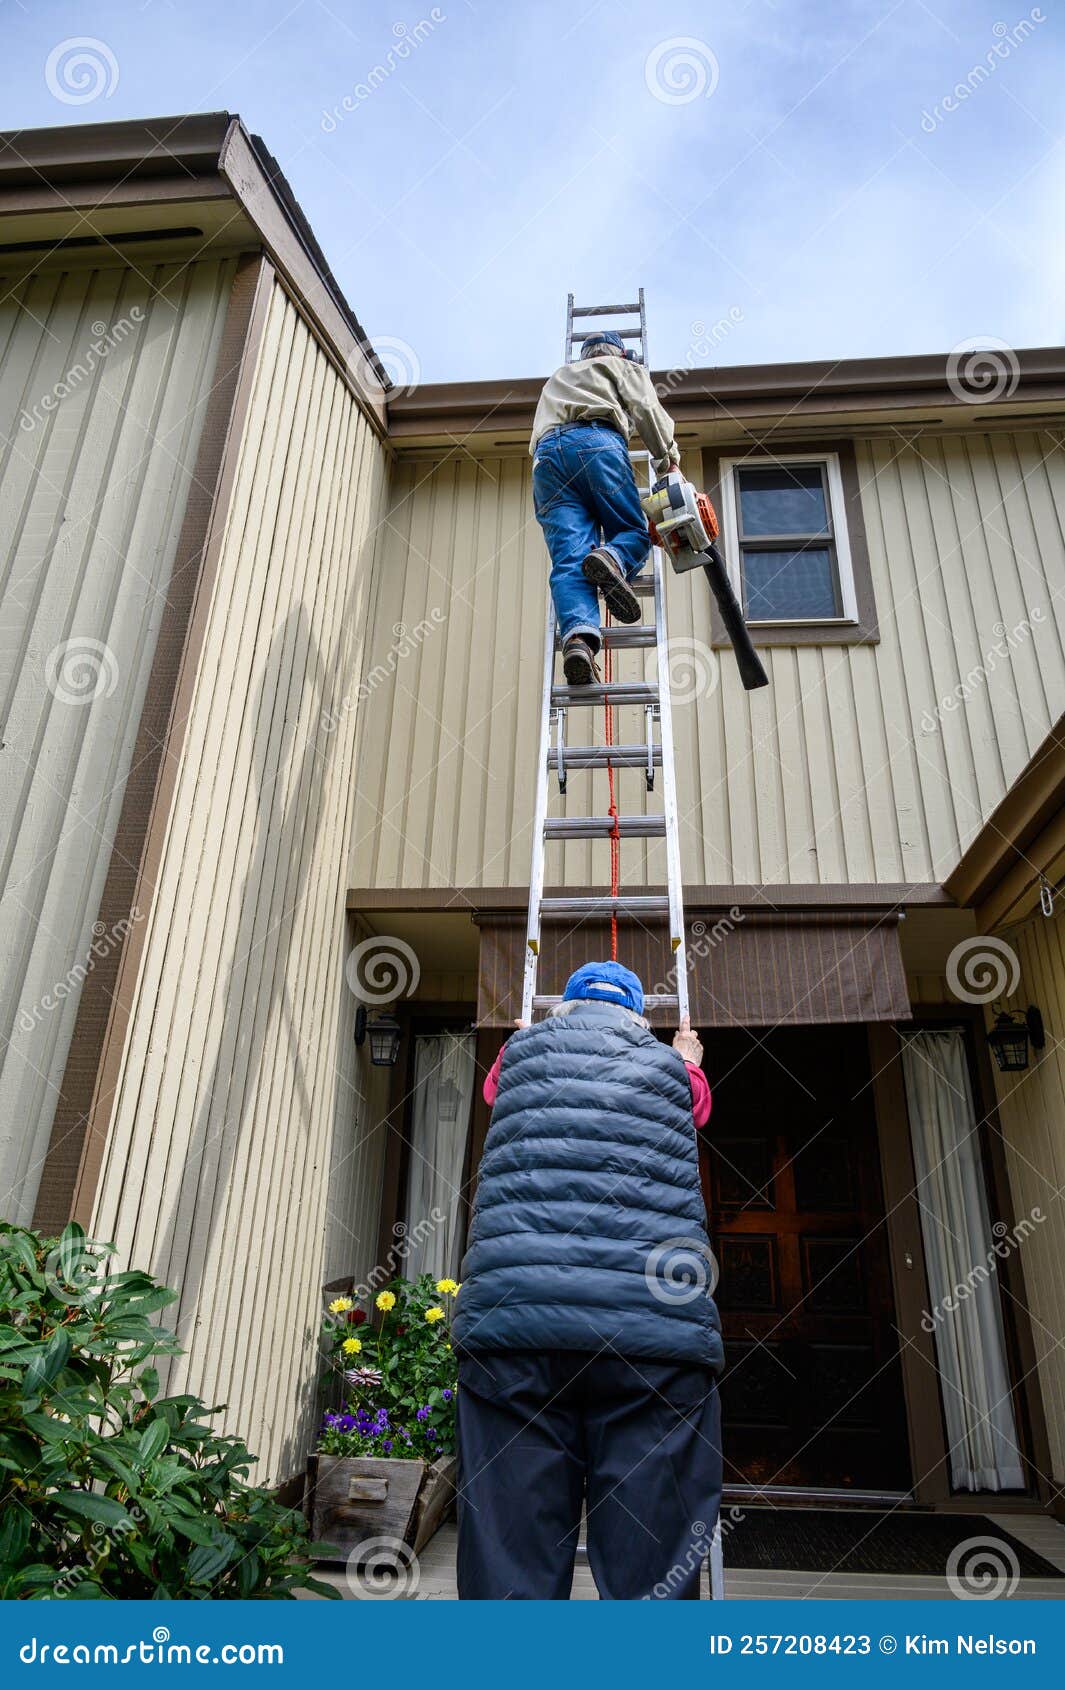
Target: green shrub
{"x": 109, "y": 1489}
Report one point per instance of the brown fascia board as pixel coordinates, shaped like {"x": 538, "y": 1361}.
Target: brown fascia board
{"x": 144, "y": 160}
{"x": 111, "y": 152}
{"x": 1018, "y": 821}
{"x": 456, "y": 409}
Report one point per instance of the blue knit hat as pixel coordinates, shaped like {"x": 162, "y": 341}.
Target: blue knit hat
{"x": 590, "y": 342}
{"x": 606, "y": 982}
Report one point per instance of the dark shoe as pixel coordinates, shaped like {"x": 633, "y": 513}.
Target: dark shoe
{"x": 578, "y": 662}
{"x": 605, "y": 573}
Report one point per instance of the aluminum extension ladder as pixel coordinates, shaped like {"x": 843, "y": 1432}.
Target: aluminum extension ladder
{"x": 655, "y": 753}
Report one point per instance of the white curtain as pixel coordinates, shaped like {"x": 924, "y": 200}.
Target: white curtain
{"x": 444, "y": 1071}
{"x": 960, "y": 1260}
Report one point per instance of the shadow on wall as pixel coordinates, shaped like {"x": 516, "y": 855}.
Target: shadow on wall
{"x": 250, "y": 1237}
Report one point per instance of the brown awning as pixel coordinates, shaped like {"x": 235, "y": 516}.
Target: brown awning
{"x": 757, "y": 969}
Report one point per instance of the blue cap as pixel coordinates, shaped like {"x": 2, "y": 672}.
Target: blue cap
{"x": 610, "y": 336}
{"x": 606, "y": 982}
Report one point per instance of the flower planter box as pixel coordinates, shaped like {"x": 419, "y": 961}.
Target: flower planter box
{"x": 351, "y": 1499}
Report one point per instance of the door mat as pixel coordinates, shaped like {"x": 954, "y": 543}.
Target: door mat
{"x": 823, "y": 1540}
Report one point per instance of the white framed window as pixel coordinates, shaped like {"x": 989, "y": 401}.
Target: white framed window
{"x": 784, "y": 527}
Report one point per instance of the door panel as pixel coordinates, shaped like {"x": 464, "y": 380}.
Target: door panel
{"x": 812, "y": 1392}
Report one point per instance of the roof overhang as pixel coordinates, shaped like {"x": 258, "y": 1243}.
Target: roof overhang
{"x": 173, "y": 188}
{"x": 759, "y": 402}
{"x": 1022, "y": 841}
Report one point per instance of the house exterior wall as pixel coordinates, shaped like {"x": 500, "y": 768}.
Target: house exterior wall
{"x": 862, "y": 763}
{"x": 1031, "y": 1107}
{"x": 220, "y": 1159}
{"x": 104, "y": 378}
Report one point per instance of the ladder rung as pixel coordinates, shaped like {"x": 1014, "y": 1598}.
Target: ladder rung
{"x": 621, "y": 635}
{"x": 601, "y": 827}
{"x": 652, "y": 1000}
{"x": 643, "y": 586}
{"x": 626, "y": 334}
{"x": 598, "y": 756}
{"x": 613, "y": 692}
{"x": 652, "y": 904}
{"x": 603, "y": 310}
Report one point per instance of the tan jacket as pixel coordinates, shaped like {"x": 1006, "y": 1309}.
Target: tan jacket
{"x": 610, "y": 390}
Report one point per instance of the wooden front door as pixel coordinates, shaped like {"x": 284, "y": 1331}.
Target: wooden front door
{"x": 812, "y": 1393}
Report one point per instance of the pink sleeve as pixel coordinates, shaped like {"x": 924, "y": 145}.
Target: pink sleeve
{"x": 491, "y": 1079}
{"x": 700, "y": 1094}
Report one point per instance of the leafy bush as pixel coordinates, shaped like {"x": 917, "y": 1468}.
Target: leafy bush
{"x": 400, "y": 1376}
{"x": 109, "y": 1489}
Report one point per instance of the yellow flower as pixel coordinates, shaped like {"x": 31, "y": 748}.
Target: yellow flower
{"x": 446, "y": 1287}
{"x": 340, "y": 1305}
{"x": 351, "y": 1346}
{"x": 386, "y": 1301}
{"x": 433, "y": 1315}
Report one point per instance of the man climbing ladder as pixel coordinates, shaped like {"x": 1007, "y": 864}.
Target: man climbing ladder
{"x": 584, "y": 487}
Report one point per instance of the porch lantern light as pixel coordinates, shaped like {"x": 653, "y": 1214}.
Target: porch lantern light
{"x": 1011, "y": 1035}
{"x": 384, "y": 1032}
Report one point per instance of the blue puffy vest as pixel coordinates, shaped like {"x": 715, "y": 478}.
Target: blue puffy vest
{"x": 589, "y": 1228}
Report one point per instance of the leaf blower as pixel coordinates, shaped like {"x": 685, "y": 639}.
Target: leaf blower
{"x": 684, "y": 522}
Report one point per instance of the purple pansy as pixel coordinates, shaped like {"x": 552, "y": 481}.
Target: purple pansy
{"x": 423, "y": 1413}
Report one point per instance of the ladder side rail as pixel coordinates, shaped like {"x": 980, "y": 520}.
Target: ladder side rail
{"x": 669, "y": 792}
{"x": 536, "y": 869}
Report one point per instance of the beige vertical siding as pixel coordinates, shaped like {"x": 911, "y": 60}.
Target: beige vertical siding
{"x": 1032, "y": 1112}
{"x": 236, "y": 1069}
{"x": 846, "y": 769}
{"x": 96, "y": 451}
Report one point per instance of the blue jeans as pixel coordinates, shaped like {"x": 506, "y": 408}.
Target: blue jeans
{"x": 583, "y": 483}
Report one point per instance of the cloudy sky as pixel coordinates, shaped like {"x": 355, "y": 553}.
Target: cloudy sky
{"x": 787, "y": 179}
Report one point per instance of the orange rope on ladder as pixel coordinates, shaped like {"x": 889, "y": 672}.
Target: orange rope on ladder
{"x": 615, "y": 836}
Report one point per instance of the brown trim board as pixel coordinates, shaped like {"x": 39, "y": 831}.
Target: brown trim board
{"x": 82, "y": 1118}
{"x": 479, "y": 900}
{"x": 1022, "y": 835}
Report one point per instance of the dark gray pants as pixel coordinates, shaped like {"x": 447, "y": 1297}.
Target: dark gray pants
{"x": 542, "y": 1434}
